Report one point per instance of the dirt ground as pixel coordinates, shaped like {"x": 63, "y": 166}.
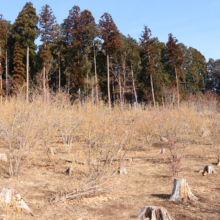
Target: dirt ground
{"x": 147, "y": 183}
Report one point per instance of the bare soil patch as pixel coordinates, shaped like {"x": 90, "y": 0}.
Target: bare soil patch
{"x": 148, "y": 183}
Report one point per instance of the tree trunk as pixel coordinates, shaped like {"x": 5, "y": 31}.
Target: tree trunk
{"x": 113, "y": 93}
{"x": 177, "y": 88}
{"x": 152, "y": 88}
{"x": 154, "y": 213}
{"x": 27, "y": 75}
{"x": 181, "y": 191}
{"x": 79, "y": 95}
{"x": 96, "y": 78}
{"x": 1, "y": 74}
{"x": 120, "y": 93}
{"x": 6, "y": 71}
{"x": 59, "y": 76}
{"x": 87, "y": 86}
{"x": 92, "y": 92}
{"x": 44, "y": 82}
{"x": 206, "y": 169}
{"x": 135, "y": 94}
{"x": 108, "y": 81}
{"x": 124, "y": 83}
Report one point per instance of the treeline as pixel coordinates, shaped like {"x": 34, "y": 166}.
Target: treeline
{"x": 86, "y": 59}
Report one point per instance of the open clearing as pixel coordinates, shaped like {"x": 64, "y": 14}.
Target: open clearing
{"x": 147, "y": 183}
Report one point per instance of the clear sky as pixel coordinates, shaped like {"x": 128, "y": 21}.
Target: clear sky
{"x": 195, "y": 23}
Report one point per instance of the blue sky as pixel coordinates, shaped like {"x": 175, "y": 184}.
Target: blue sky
{"x": 195, "y": 23}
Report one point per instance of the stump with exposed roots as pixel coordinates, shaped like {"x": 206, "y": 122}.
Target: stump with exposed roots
{"x": 181, "y": 191}
{"x": 206, "y": 169}
{"x": 154, "y": 213}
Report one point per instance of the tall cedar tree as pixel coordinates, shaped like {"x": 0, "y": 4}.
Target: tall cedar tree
{"x": 58, "y": 51}
{"x": 26, "y": 31}
{"x": 2, "y": 38}
{"x": 19, "y": 67}
{"x": 212, "y": 78}
{"x": 90, "y": 32}
{"x": 111, "y": 36}
{"x": 73, "y": 30}
{"x": 9, "y": 44}
{"x": 195, "y": 70}
{"x": 175, "y": 60}
{"x": 133, "y": 60}
{"x": 147, "y": 47}
{"x": 47, "y": 22}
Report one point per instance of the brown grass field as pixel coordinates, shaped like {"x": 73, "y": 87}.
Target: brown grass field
{"x": 149, "y": 181}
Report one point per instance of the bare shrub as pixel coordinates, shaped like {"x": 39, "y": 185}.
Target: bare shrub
{"x": 147, "y": 127}
{"x": 105, "y": 140}
{"x": 180, "y": 128}
{"x": 19, "y": 129}
{"x": 67, "y": 121}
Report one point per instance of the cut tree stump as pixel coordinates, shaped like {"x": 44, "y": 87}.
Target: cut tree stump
{"x": 181, "y": 191}
{"x": 163, "y": 139}
{"x": 52, "y": 150}
{"x": 162, "y": 151}
{"x": 3, "y": 157}
{"x": 7, "y": 195}
{"x": 206, "y": 169}
{"x": 70, "y": 170}
{"x": 154, "y": 213}
{"x": 122, "y": 170}
{"x": 218, "y": 164}
{"x": 20, "y": 203}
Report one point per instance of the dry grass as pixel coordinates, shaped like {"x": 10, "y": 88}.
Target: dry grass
{"x": 115, "y": 132}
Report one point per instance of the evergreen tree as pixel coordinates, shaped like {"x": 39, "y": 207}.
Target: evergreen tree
{"x": 2, "y": 39}
{"x": 73, "y": 33}
{"x": 174, "y": 58}
{"x": 47, "y": 30}
{"x": 9, "y": 43}
{"x": 212, "y": 78}
{"x": 58, "y": 50}
{"x": 195, "y": 70}
{"x": 19, "y": 67}
{"x": 133, "y": 61}
{"x": 146, "y": 43}
{"x": 111, "y": 36}
{"x": 89, "y": 33}
{"x": 25, "y": 30}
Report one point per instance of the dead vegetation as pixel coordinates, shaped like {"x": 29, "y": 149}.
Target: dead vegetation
{"x": 66, "y": 159}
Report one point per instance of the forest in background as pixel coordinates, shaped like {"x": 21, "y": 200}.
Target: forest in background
{"x": 93, "y": 60}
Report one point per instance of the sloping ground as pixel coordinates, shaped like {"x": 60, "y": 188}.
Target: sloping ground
{"x": 148, "y": 183}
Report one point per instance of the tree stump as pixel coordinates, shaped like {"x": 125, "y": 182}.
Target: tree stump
{"x": 162, "y": 151}
{"x": 181, "y": 191}
{"x": 154, "y": 213}
{"x": 7, "y": 195}
{"x": 122, "y": 170}
{"x": 3, "y": 157}
{"x": 52, "y": 150}
{"x": 70, "y": 170}
{"x": 218, "y": 164}
{"x": 206, "y": 169}
{"x": 22, "y": 205}
{"x": 163, "y": 139}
